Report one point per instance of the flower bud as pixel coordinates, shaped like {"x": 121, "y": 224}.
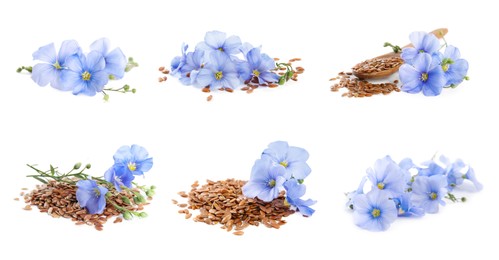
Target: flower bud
{"x": 126, "y": 200}
{"x": 88, "y": 166}
{"x": 142, "y": 215}
{"x": 77, "y": 166}
{"x": 150, "y": 193}
{"x": 127, "y": 215}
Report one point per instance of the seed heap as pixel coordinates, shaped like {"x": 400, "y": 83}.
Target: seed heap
{"x": 361, "y": 88}
{"x": 222, "y": 202}
{"x": 378, "y": 65}
{"x": 58, "y": 199}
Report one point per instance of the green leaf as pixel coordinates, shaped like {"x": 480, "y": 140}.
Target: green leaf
{"x": 52, "y": 170}
{"x": 40, "y": 179}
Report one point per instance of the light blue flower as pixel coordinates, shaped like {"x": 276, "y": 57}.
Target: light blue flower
{"x": 374, "y": 211}
{"x": 132, "y": 160}
{"x": 115, "y": 59}
{"x": 178, "y": 62}
{"x": 423, "y": 43}
{"x": 294, "y": 192}
{"x": 293, "y": 159}
{"x": 387, "y": 175}
{"x": 258, "y": 68}
{"x": 218, "y": 41}
{"x": 85, "y": 74}
{"x": 429, "y": 192}
{"x": 91, "y": 196}
{"x": 119, "y": 178}
{"x": 455, "y": 68}
{"x": 405, "y": 206}
{"x": 455, "y": 174}
{"x": 50, "y": 72}
{"x": 266, "y": 181}
{"x": 193, "y": 63}
{"x": 438, "y": 165}
{"x": 470, "y": 175}
{"x": 218, "y": 72}
{"x": 351, "y": 195}
{"x": 425, "y": 74}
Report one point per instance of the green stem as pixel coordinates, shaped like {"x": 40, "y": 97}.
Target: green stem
{"x": 395, "y": 48}
{"x": 26, "y": 68}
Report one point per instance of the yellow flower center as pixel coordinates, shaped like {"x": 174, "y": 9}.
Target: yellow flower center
{"x": 132, "y": 166}
{"x": 86, "y": 76}
{"x": 381, "y": 185}
{"x": 256, "y": 73}
{"x": 424, "y": 76}
{"x": 433, "y": 196}
{"x": 271, "y": 183}
{"x": 221, "y": 49}
{"x": 219, "y": 75}
{"x": 284, "y": 163}
{"x": 57, "y": 66}
{"x": 96, "y": 192}
{"x": 445, "y": 67}
{"x": 376, "y": 213}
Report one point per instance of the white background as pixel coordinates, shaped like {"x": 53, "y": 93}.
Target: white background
{"x": 192, "y": 139}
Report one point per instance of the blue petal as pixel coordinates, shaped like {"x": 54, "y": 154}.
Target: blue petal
{"x": 277, "y": 150}
{"x": 270, "y": 77}
{"x": 69, "y": 80}
{"x": 232, "y": 45}
{"x": 44, "y": 73}
{"x": 123, "y": 154}
{"x": 45, "y": 53}
{"x": 68, "y": 49}
{"x": 138, "y": 152}
{"x": 297, "y": 154}
{"x": 430, "y": 43}
{"x": 422, "y": 62}
{"x": 254, "y": 58}
{"x": 410, "y": 79}
{"x": 457, "y": 71}
{"x": 294, "y": 190}
{"x": 101, "y": 45}
{"x": 267, "y": 63}
{"x": 299, "y": 170}
{"x": 215, "y": 39}
{"x": 231, "y": 80}
{"x": 95, "y": 62}
{"x": 452, "y": 53}
{"x": 145, "y": 165}
{"x": 417, "y": 39}
{"x": 260, "y": 170}
{"x": 435, "y": 83}
{"x": 75, "y": 63}
{"x": 408, "y": 54}
{"x": 244, "y": 70}
{"x": 116, "y": 63}
{"x": 251, "y": 189}
{"x": 97, "y": 82}
{"x": 204, "y": 78}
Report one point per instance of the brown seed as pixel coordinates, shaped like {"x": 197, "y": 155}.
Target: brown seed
{"x": 276, "y": 59}
{"x": 118, "y": 220}
{"x": 249, "y": 91}
{"x": 162, "y": 68}
{"x": 174, "y": 202}
{"x": 229, "y": 90}
{"x": 183, "y": 205}
{"x": 206, "y": 90}
{"x": 209, "y": 98}
{"x": 16, "y": 199}
{"x": 238, "y": 233}
{"x": 27, "y": 207}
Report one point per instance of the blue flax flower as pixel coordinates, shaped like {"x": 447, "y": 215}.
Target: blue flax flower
{"x": 118, "y": 177}
{"x": 258, "y": 67}
{"x": 455, "y": 68}
{"x": 115, "y": 59}
{"x": 193, "y": 63}
{"x": 294, "y": 159}
{"x": 294, "y": 192}
{"x": 455, "y": 174}
{"x": 266, "y": 181}
{"x": 85, "y": 74}
{"x": 439, "y": 165}
{"x": 360, "y": 190}
{"x": 219, "y": 72}
{"x": 179, "y": 61}
{"x": 132, "y": 160}
{"x": 424, "y": 74}
{"x": 374, "y": 211}
{"x": 470, "y": 175}
{"x": 91, "y": 196}
{"x": 429, "y": 192}
{"x": 387, "y": 175}
{"x": 50, "y": 72}
{"x": 405, "y": 206}
{"x": 218, "y": 41}
{"x": 423, "y": 43}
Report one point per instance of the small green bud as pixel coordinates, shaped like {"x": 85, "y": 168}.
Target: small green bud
{"x": 127, "y": 215}
{"x": 126, "y": 88}
{"x": 19, "y": 70}
{"x": 300, "y": 181}
{"x": 106, "y": 97}
{"x": 130, "y": 59}
{"x": 112, "y": 77}
{"x": 466, "y": 78}
{"x": 282, "y": 80}
{"x": 153, "y": 187}
{"x": 134, "y": 90}
{"x": 463, "y": 199}
{"x": 88, "y": 166}
{"x": 150, "y": 193}
{"x": 77, "y": 166}
{"x": 126, "y": 200}
{"x": 142, "y": 215}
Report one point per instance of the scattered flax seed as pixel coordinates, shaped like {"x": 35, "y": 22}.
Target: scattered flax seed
{"x": 21, "y": 194}
{"x": 118, "y": 220}
{"x": 222, "y": 203}
{"x": 206, "y": 90}
{"x": 361, "y": 88}
{"x": 209, "y": 98}
{"x": 174, "y": 202}
{"x": 162, "y": 68}
{"x": 58, "y": 200}
{"x": 24, "y": 189}
{"x": 183, "y": 205}
{"x": 276, "y": 59}
{"x": 17, "y": 199}
{"x": 249, "y": 91}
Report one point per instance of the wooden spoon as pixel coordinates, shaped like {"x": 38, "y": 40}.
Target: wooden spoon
{"x": 390, "y": 57}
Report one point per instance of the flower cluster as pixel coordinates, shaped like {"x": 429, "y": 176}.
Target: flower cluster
{"x": 281, "y": 167}
{"x": 82, "y": 73}
{"x": 221, "y": 62}
{"x": 407, "y": 190}
{"x": 93, "y": 193}
{"x": 429, "y": 70}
